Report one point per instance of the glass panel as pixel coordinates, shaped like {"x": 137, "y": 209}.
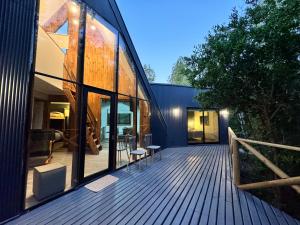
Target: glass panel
{"x": 97, "y": 133}
{"x": 126, "y": 125}
{"x": 195, "y": 126}
{"x": 143, "y": 121}
{"x": 141, "y": 91}
{"x": 127, "y": 73}
{"x": 52, "y": 139}
{"x": 57, "y": 41}
{"x": 100, "y": 53}
{"x": 211, "y": 126}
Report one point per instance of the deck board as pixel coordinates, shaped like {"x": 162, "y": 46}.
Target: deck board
{"x": 190, "y": 185}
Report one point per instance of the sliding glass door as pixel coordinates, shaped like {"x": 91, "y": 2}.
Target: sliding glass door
{"x": 203, "y": 126}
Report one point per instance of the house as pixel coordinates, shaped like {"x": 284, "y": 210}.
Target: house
{"x": 72, "y": 87}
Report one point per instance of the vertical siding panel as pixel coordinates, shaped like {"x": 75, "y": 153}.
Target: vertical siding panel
{"x": 16, "y": 28}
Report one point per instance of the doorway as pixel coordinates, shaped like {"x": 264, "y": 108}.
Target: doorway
{"x": 203, "y": 126}
{"x": 98, "y": 132}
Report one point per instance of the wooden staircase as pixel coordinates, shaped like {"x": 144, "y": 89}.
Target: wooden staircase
{"x": 51, "y": 25}
{"x": 92, "y": 141}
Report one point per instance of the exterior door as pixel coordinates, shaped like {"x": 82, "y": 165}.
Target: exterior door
{"x": 203, "y": 126}
{"x": 97, "y": 133}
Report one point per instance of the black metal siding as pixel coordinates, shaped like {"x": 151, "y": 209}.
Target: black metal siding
{"x": 16, "y": 33}
{"x": 170, "y": 97}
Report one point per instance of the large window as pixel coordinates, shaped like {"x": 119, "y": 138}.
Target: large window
{"x": 100, "y": 53}
{"x": 143, "y": 120}
{"x": 57, "y": 42}
{"x": 52, "y": 139}
{"x": 54, "y": 155}
{"x": 127, "y": 72}
{"x": 203, "y": 126}
{"x": 126, "y": 126}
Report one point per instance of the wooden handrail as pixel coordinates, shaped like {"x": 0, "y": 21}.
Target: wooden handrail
{"x": 269, "y": 164}
{"x": 287, "y": 147}
{"x": 285, "y": 179}
{"x": 271, "y": 183}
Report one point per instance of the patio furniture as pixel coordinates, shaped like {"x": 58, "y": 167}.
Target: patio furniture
{"x": 152, "y": 148}
{"x": 48, "y": 180}
{"x": 121, "y": 146}
{"x": 135, "y": 152}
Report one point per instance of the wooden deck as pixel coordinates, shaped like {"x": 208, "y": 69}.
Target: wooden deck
{"x": 190, "y": 185}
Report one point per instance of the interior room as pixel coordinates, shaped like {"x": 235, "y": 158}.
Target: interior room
{"x": 203, "y": 126}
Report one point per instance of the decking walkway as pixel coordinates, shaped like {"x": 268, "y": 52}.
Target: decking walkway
{"x": 190, "y": 185}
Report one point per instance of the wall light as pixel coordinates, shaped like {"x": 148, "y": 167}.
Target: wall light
{"x": 176, "y": 111}
{"x": 224, "y": 113}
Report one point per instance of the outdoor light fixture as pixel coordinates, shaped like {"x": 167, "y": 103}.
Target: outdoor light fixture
{"x": 176, "y": 111}
{"x": 224, "y": 113}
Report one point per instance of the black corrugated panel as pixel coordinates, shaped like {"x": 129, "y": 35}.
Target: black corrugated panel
{"x": 16, "y": 33}
{"x": 170, "y": 97}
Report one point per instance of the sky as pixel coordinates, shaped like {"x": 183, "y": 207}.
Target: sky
{"x": 164, "y": 30}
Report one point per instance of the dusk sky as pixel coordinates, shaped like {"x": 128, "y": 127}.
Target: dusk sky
{"x": 163, "y": 30}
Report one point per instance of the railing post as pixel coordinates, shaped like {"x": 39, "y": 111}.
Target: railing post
{"x": 235, "y": 161}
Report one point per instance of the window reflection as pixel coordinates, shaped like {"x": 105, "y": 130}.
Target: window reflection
{"x": 52, "y": 139}
{"x": 126, "y": 126}
{"x": 100, "y": 53}
{"x": 127, "y": 73}
{"x": 141, "y": 91}
{"x": 58, "y": 38}
{"x": 143, "y": 121}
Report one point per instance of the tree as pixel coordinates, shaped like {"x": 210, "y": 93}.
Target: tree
{"x": 149, "y": 73}
{"x": 252, "y": 66}
{"x": 178, "y": 75}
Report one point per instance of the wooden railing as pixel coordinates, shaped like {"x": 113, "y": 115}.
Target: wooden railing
{"x": 284, "y": 180}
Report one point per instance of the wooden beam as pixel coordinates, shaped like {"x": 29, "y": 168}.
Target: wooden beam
{"x": 287, "y": 147}
{"x": 268, "y": 163}
{"x": 236, "y": 162}
{"x": 271, "y": 183}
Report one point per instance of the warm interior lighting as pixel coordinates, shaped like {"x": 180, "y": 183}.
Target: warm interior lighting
{"x": 176, "y": 111}
{"x": 75, "y": 22}
{"x": 74, "y": 9}
{"x": 224, "y": 113}
{"x": 93, "y": 27}
{"x": 67, "y": 112}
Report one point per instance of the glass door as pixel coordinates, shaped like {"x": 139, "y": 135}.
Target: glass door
{"x": 97, "y": 138}
{"x": 203, "y": 126}
{"x": 195, "y": 127}
{"x": 211, "y": 126}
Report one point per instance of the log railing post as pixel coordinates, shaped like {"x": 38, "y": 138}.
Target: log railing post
{"x": 235, "y": 162}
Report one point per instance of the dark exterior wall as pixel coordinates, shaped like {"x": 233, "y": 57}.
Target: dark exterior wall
{"x": 16, "y": 33}
{"x": 170, "y": 97}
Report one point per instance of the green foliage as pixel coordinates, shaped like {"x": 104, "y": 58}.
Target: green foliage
{"x": 150, "y": 73}
{"x": 179, "y": 73}
{"x": 252, "y": 66}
